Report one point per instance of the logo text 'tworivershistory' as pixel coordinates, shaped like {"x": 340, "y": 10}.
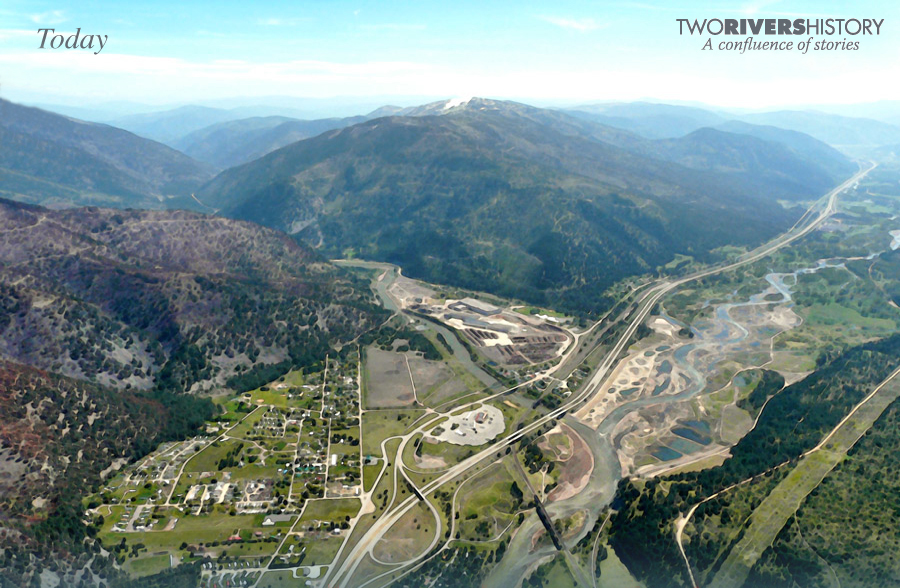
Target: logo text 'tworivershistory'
{"x": 784, "y": 27}
{"x": 780, "y": 26}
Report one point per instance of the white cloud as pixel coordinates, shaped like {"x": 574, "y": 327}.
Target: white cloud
{"x": 753, "y": 8}
{"x": 280, "y": 22}
{"x": 390, "y": 26}
{"x": 51, "y": 17}
{"x": 10, "y": 33}
{"x": 145, "y": 78}
{"x": 236, "y": 70}
{"x": 581, "y": 25}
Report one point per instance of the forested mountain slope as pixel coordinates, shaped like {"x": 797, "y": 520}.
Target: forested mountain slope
{"x": 167, "y": 300}
{"x": 516, "y": 200}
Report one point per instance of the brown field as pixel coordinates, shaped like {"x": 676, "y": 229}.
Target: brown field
{"x": 575, "y": 470}
{"x": 387, "y": 380}
{"x": 409, "y": 537}
{"x": 435, "y": 382}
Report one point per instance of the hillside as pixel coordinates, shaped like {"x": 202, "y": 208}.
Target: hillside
{"x": 761, "y": 161}
{"x": 833, "y": 535}
{"x": 504, "y": 197}
{"x": 235, "y": 142}
{"x": 58, "y": 439}
{"x": 58, "y": 161}
{"x": 166, "y": 300}
{"x": 800, "y": 143}
{"x": 848, "y": 134}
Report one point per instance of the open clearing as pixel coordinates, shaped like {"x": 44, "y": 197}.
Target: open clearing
{"x": 388, "y": 383}
{"x": 379, "y": 425}
{"x": 614, "y": 574}
{"x": 435, "y": 381}
{"x": 409, "y": 537}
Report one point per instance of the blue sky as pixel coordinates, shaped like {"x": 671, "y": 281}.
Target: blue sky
{"x": 543, "y": 52}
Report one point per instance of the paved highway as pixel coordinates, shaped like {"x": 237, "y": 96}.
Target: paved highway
{"x": 818, "y": 213}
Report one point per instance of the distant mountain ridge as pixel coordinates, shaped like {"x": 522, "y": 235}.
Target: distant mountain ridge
{"x": 168, "y": 126}
{"x": 838, "y": 131}
{"x": 854, "y": 135}
{"x": 651, "y": 120}
{"x": 55, "y": 160}
{"x": 236, "y": 142}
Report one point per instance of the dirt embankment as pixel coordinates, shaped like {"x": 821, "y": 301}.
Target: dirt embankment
{"x": 575, "y": 467}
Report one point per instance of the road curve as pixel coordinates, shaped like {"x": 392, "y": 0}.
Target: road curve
{"x": 344, "y": 573}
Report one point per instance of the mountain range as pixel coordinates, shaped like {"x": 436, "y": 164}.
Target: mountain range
{"x": 117, "y": 322}
{"x": 855, "y": 135}
{"x": 532, "y": 203}
{"x": 58, "y": 161}
{"x": 521, "y": 201}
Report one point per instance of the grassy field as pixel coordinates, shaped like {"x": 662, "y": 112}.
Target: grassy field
{"x": 246, "y": 426}
{"x": 329, "y": 509}
{"x": 234, "y": 410}
{"x": 370, "y": 472}
{"x": 381, "y": 424}
{"x": 614, "y": 574}
{"x": 784, "y": 500}
{"x": 485, "y": 505}
{"x": 451, "y": 454}
{"x": 279, "y": 579}
{"x": 147, "y": 566}
{"x": 254, "y": 472}
{"x": 842, "y": 318}
{"x": 207, "y": 459}
{"x": 512, "y": 415}
{"x": 316, "y": 550}
{"x": 276, "y": 392}
{"x": 409, "y": 537}
{"x": 193, "y": 530}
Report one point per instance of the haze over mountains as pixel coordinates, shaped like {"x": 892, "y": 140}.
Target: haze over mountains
{"x": 854, "y": 135}
{"x": 55, "y": 160}
{"x": 231, "y": 143}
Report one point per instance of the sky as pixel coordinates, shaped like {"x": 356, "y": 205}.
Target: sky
{"x": 561, "y": 52}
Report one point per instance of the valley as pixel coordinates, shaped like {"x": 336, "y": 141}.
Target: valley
{"x": 361, "y": 471}
{"x": 469, "y": 343}
{"x": 428, "y": 295}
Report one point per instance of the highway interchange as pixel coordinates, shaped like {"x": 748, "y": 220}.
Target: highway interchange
{"x": 646, "y": 297}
